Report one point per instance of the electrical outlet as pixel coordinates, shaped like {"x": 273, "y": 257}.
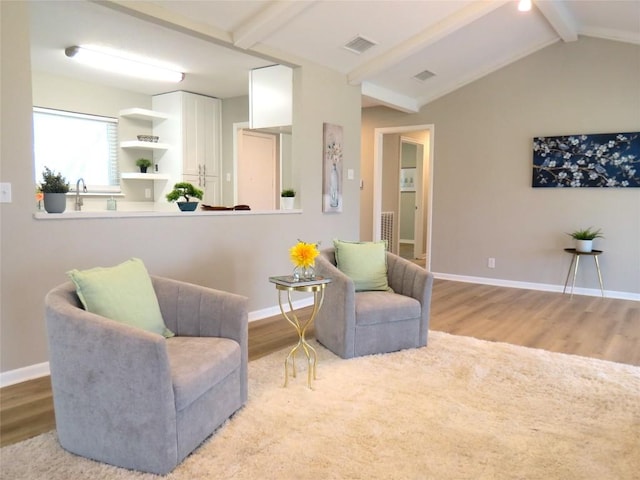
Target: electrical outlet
{"x": 147, "y": 193}
{"x": 491, "y": 262}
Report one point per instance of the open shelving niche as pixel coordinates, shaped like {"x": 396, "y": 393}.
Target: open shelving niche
{"x": 149, "y": 116}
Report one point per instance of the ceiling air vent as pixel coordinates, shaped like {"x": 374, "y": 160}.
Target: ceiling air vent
{"x": 359, "y": 45}
{"x": 424, "y": 75}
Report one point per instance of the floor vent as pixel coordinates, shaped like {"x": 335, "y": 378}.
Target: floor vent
{"x": 386, "y": 229}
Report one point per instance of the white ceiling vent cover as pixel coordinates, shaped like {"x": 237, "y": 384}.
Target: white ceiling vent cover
{"x": 424, "y": 75}
{"x": 359, "y": 45}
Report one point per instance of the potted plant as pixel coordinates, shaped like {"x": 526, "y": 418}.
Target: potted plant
{"x": 185, "y": 190}
{"x": 287, "y": 197}
{"x": 54, "y": 188}
{"x": 143, "y": 163}
{"x": 584, "y": 238}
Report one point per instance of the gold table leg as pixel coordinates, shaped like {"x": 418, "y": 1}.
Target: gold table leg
{"x": 301, "y": 329}
{"x": 595, "y": 257}
{"x": 564, "y": 290}
{"x": 575, "y": 274}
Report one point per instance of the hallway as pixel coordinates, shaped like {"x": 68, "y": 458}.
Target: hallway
{"x": 406, "y": 251}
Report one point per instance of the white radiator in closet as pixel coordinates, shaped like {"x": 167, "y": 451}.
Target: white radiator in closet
{"x": 387, "y": 226}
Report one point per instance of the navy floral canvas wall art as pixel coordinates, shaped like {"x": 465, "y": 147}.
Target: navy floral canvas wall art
{"x": 599, "y": 160}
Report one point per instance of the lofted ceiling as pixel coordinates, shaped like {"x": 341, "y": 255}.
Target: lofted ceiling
{"x": 448, "y": 43}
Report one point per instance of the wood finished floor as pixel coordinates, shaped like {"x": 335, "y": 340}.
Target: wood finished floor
{"x": 589, "y": 326}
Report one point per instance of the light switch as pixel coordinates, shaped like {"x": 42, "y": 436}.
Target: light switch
{"x": 350, "y": 174}
{"x": 5, "y": 192}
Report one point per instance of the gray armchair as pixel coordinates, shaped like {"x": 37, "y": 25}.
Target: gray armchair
{"x": 352, "y": 324}
{"x": 134, "y": 399}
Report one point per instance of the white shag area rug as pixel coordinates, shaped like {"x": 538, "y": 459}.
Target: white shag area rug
{"x": 460, "y": 408}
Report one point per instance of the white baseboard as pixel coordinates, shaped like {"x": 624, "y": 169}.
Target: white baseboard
{"x": 544, "y": 287}
{"x": 275, "y": 310}
{"x": 18, "y": 375}
{"x": 24, "y": 374}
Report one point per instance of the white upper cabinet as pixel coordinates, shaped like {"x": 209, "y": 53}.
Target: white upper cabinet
{"x": 193, "y": 131}
{"x": 271, "y": 97}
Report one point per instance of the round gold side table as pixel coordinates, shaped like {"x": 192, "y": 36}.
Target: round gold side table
{"x": 316, "y": 286}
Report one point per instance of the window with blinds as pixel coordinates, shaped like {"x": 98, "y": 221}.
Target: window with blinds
{"x": 78, "y": 146}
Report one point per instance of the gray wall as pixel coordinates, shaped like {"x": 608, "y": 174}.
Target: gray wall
{"x": 483, "y": 203}
{"x": 234, "y": 110}
{"x": 234, "y": 252}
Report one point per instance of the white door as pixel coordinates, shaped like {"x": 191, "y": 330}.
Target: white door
{"x": 257, "y": 168}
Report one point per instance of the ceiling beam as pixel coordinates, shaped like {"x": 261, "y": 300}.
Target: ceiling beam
{"x": 158, "y": 15}
{"x": 559, "y": 18}
{"x": 611, "y": 34}
{"x": 423, "y": 39}
{"x": 267, "y": 21}
{"x": 154, "y": 13}
{"x": 389, "y": 98}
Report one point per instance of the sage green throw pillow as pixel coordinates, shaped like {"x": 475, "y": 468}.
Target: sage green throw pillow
{"x": 364, "y": 262}
{"x": 123, "y": 293}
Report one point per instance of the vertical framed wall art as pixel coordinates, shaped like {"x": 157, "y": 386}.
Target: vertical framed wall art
{"x": 407, "y": 179}
{"x": 600, "y": 160}
{"x": 332, "y": 138}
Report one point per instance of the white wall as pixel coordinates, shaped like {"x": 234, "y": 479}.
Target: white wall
{"x": 234, "y": 253}
{"x": 484, "y": 205}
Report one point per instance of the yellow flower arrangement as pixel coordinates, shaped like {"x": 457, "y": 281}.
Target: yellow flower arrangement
{"x": 303, "y": 254}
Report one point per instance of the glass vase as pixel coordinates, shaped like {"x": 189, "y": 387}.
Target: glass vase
{"x": 301, "y": 273}
{"x": 333, "y": 187}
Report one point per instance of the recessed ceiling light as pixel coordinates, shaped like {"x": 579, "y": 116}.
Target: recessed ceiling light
{"x": 524, "y": 5}
{"x": 359, "y": 45}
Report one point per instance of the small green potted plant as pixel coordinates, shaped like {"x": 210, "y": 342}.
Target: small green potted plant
{"x": 584, "y": 238}
{"x": 143, "y": 163}
{"x": 187, "y": 191}
{"x": 287, "y": 197}
{"x": 54, "y": 188}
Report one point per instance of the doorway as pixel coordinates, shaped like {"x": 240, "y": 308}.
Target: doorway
{"x": 423, "y": 134}
{"x": 257, "y": 178}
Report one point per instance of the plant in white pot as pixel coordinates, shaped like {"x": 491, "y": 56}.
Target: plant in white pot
{"x": 54, "y": 188}
{"x": 584, "y": 238}
{"x": 187, "y": 191}
{"x": 287, "y": 197}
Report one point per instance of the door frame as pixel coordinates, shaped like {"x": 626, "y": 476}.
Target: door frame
{"x": 236, "y": 129}
{"x": 427, "y": 178}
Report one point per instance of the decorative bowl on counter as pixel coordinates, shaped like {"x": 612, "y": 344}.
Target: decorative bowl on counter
{"x": 148, "y": 138}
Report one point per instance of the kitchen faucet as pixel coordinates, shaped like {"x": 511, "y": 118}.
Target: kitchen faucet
{"x": 79, "y": 201}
